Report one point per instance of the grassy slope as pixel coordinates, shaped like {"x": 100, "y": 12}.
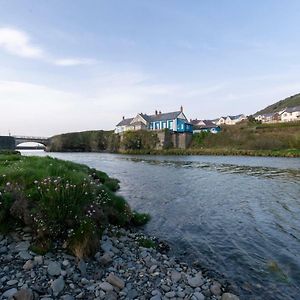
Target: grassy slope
{"x": 282, "y": 104}
{"x": 86, "y": 141}
{"x": 282, "y": 139}
{"x": 61, "y": 201}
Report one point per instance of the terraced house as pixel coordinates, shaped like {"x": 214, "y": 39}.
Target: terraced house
{"x": 174, "y": 121}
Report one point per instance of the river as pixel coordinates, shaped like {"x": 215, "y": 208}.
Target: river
{"x": 239, "y": 216}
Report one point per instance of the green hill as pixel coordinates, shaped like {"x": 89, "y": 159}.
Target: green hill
{"x": 280, "y": 105}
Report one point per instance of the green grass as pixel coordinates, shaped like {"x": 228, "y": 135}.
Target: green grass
{"x": 62, "y": 201}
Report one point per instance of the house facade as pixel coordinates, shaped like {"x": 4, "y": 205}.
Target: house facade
{"x": 174, "y": 121}
{"x": 291, "y": 114}
{"x": 205, "y": 126}
{"x": 269, "y": 118}
{"x": 230, "y": 120}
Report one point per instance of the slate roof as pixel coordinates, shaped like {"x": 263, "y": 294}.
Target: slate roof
{"x": 164, "y": 116}
{"x": 153, "y": 118}
{"x": 292, "y": 109}
{"x": 235, "y": 117}
{"x": 125, "y": 122}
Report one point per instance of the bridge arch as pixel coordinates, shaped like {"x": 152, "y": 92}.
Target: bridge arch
{"x": 37, "y": 140}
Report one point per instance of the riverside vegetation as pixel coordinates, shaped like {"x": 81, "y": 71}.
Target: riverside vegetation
{"x": 247, "y": 138}
{"x": 61, "y": 201}
{"x": 65, "y": 235}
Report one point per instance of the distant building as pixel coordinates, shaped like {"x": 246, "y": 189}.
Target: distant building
{"x": 230, "y": 120}
{"x": 174, "y": 121}
{"x": 291, "y": 114}
{"x": 269, "y": 118}
{"x": 205, "y": 126}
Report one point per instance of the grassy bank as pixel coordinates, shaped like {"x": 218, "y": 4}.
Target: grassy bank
{"x": 255, "y": 138}
{"x": 62, "y": 202}
{"x": 219, "y": 151}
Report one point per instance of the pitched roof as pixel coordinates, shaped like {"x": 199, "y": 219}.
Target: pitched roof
{"x": 164, "y": 117}
{"x": 292, "y": 109}
{"x": 125, "y": 122}
{"x": 207, "y": 124}
{"x": 235, "y": 117}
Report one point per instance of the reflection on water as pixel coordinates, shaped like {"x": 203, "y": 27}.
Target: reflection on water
{"x": 239, "y": 216}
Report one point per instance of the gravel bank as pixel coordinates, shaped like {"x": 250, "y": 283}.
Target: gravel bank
{"x": 122, "y": 269}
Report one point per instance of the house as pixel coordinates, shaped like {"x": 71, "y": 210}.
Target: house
{"x": 291, "y": 114}
{"x": 231, "y": 120}
{"x": 174, "y": 121}
{"x": 269, "y": 118}
{"x": 205, "y": 126}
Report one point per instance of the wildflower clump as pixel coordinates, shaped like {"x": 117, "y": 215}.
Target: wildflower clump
{"x": 64, "y": 203}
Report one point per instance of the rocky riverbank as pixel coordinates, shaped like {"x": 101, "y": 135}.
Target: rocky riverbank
{"x": 121, "y": 269}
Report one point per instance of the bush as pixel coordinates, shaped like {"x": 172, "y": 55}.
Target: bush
{"x": 139, "y": 140}
{"x": 61, "y": 201}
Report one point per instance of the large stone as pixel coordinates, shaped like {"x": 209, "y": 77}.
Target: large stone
{"x": 199, "y": 296}
{"x": 58, "y": 286}
{"x": 105, "y": 259}
{"x": 82, "y": 267}
{"x": 106, "y": 246}
{"x": 38, "y": 259}
{"x": 175, "y": 276}
{"x": 28, "y": 265}
{"x": 22, "y": 246}
{"x": 216, "y": 289}
{"x": 195, "y": 281}
{"x": 229, "y": 296}
{"x": 9, "y": 293}
{"x": 23, "y": 294}
{"x": 105, "y": 286}
{"x": 12, "y": 282}
{"x": 54, "y": 268}
{"x": 25, "y": 255}
{"x": 171, "y": 294}
{"x": 115, "y": 281}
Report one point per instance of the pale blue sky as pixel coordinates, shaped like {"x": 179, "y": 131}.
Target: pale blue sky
{"x": 79, "y": 65}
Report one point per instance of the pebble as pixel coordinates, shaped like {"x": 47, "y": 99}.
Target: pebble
{"x": 120, "y": 270}
{"x": 54, "y": 268}
{"x": 58, "y": 286}
{"x": 9, "y": 293}
{"x": 105, "y": 286}
{"x": 115, "y": 281}
{"x": 229, "y": 296}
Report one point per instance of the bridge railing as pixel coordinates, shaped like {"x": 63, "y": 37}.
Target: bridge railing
{"x": 30, "y": 137}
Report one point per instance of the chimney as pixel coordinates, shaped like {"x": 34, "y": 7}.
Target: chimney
{"x": 156, "y": 112}
{"x": 181, "y": 108}
{"x": 123, "y": 117}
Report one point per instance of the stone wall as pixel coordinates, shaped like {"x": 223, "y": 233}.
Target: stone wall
{"x": 169, "y": 139}
{"x": 7, "y": 143}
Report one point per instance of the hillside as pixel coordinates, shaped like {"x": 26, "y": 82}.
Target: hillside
{"x": 282, "y": 104}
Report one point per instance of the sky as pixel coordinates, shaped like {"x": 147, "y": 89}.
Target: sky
{"x": 74, "y": 65}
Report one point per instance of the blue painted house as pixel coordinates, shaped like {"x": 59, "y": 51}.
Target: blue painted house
{"x": 174, "y": 121}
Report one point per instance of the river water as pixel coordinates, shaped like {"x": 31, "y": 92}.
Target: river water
{"x": 239, "y": 216}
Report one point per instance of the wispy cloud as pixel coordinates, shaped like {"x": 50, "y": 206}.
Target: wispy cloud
{"x": 18, "y": 42}
{"x": 74, "y": 61}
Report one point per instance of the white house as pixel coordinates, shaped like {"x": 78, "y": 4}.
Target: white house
{"x": 231, "y": 120}
{"x": 291, "y": 114}
{"x": 269, "y": 118}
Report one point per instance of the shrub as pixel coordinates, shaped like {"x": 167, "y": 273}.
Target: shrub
{"x": 63, "y": 202}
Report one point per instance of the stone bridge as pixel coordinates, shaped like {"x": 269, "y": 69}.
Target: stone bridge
{"x": 31, "y": 139}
